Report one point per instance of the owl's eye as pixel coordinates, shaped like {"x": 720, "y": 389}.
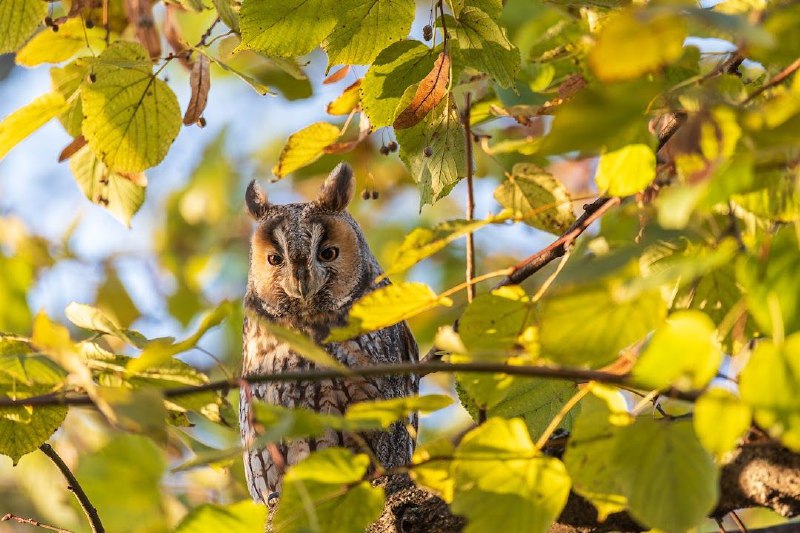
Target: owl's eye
{"x": 328, "y": 254}
{"x": 275, "y": 259}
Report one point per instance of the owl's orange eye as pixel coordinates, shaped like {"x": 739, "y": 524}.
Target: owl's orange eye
{"x": 275, "y": 259}
{"x": 328, "y": 254}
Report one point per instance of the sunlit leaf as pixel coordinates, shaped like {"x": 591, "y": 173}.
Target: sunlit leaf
{"x": 670, "y": 481}
{"x": 287, "y": 28}
{"x": 132, "y": 117}
{"x": 301, "y": 345}
{"x": 71, "y": 38}
{"x": 18, "y": 20}
{"x": 325, "y": 492}
{"x": 483, "y": 44}
{"x": 683, "y": 352}
{"x": 626, "y": 171}
{"x": 242, "y": 517}
{"x": 770, "y": 385}
{"x": 24, "y": 121}
{"x": 137, "y": 411}
{"x": 429, "y": 92}
{"x": 502, "y": 483}
{"x": 304, "y": 147}
{"x": 431, "y": 470}
{"x": 347, "y": 101}
{"x": 537, "y": 198}
{"x": 91, "y": 318}
{"x": 721, "y": 419}
{"x": 388, "y": 306}
{"x": 493, "y": 322}
{"x": 537, "y": 402}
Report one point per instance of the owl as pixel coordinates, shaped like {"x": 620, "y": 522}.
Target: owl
{"x": 309, "y": 262}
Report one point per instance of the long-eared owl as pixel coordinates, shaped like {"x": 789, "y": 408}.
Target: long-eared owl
{"x": 308, "y": 263}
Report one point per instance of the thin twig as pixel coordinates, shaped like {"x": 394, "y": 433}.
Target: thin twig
{"x": 778, "y": 78}
{"x": 470, "y": 211}
{"x": 738, "y": 522}
{"x": 32, "y": 522}
{"x": 75, "y": 487}
{"x": 578, "y": 375}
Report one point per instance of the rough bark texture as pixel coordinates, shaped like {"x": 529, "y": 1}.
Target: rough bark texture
{"x": 759, "y": 474}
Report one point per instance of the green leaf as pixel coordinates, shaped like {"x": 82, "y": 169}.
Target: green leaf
{"x": 88, "y": 317}
{"x": 304, "y": 147}
{"x": 121, "y": 194}
{"x": 593, "y": 436}
{"x": 18, "y": 20}
{"x": 483, "y": 45}
{"x": 441, "y": 135}
{"x": 365, "y": 28}
{"x": 721, "y": 419}
{"x": 67, "y": 81}
{"x": 626, "y": 171}
{"x": 503, "y": 483}
{"x": 25, "y": 120}
{"x": 132, "y": 117}
{"x": 493, "y": 322}
{"x": 683, "y": 352}
{"x": 325, "y": 492}
{"x": 537, "y": 402}
{"x": 770, "y": 385}
{"x": 537, "y": 198}
{"x": 384, "y": 413}
{"x": 257, "y": 86}
{"x": 228, "y": 11}
{"x": 159, "y": 351}
{"x": 20, "y": 364}
{"x": 778, "y": 200}
{"x": 301, "y": 345}
{"x": 633, "y": 43}
{"x": 242, "y": 517}
{"x": 288, "y": 28}
{"x": 122, "y": 479}
{"x": 24, "y": 429}
{"x": 669, "y": 479}
{"x": 138, "y": 411}
{"x": 387, "y": 306}
{"x": 396, "y": 68}
{"x": 589, "y": 325}
{"x": 424, "y": 242}
{"x": 431, "y": 469}
{"x": 56, "y": 46}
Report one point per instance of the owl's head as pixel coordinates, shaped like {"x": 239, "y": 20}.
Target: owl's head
{"x": 309, "y": 256}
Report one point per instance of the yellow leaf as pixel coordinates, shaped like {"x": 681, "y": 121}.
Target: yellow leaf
{"x": 304, "y": 147}
{"x": 18, "y": 19}
{"x": 71, "y": 38}
{"x": 347, "y": 101}
{"x": 626, "y": 171}
{"x": 24, "y": 121}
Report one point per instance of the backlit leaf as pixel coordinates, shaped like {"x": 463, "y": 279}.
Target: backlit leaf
{"x": 428, "y": 94}
{"x": 626, "y": 171}
{"x": 304, "y": 147}
{"x": 347, "y": 101}
{"x": 301, "y": 344}
{"x": 19, "y": 436}
{"x": 287, "y": 28}
{"x": 721, "y": 419}
{"x": 537, "y": 198}
{"x": 49, "y": 46}
{"x": 18, "y": 20}
{"x": 242, "y": 517}
{"x": 91, "y": 318}
{"x": 483, "y": 44}
{"x": 25, "y": 120}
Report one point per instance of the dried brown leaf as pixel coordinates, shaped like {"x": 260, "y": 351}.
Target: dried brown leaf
{"x": 76, "y": 144}
{"x": 336, "y": 76}
{"x": 138, "y": 178}
{"x": 430, "y": 92}
{"x": 172, "y": 33}
{"x": 140, "y": 14}
{"x": 364, "y": 129}
{"x": 200, "y": 81}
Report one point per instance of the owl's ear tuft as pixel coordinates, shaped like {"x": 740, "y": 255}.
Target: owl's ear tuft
{"x": 256, "y": 200}
{"x": 338, "y": 189}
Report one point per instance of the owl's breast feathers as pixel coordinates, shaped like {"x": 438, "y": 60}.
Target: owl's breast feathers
{"x": 264, "y": 354}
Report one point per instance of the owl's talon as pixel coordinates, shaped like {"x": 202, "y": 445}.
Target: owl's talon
{"x": 272, "y": 499}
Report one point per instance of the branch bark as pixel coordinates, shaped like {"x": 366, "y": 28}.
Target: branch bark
{"x": 75, "y": 487}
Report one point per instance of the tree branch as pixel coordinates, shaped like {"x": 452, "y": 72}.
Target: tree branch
{"x": 778, "y": 78}
{"x": 32, "y": 522}
{"x": 75, "y": 487}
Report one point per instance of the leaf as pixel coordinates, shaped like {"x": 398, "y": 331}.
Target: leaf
{"x": 92, "y": 318}
{"x": 633, "y": 43}
{"x": 67, "y": 81}
{"x": 424, "y": 242}
{"x": 428, "y": 94}
{"x": 159, "y": 351}
{"x": 594, "y": 435}
{"x": 396, "y": 68}
{"x": 241, "y": 517}
{"x": 304, "y": 147}
{"x": 21, "y": 365}
{"x": 493, "y": 322}
{"x": 779, "y": 200}
{"x": 387, "y": 306}
{"x": 18, "y": 20}
{"x": 502, "y": 483}
{"x": 721, "y": 420}
{"x": 132, "y": 117}
{"x": 24, "y": 121}
{"x": 325, "y": 492}
{"x": 228, "y": 11}
{"x": 285, "y": 29}
{"x": 589, "y": 325}
{"x": 121, "y": 487}
{"x": 770, "y": 385}
{"x": 483, "y": 44}
{"x": 337, "y": 75}
{"x": 537, "y": 198}
{"x": 71, "y": 38}
{"x": 121, "y": 194}
{"x": 347, "y": 101}
{"x": 683, "y": 352}
{"x": 137, "y": 411}
{"x": 384, "y": 413}
{"x": 301, "y": 345}
{"x": 431, "y": 468}
{"x": 626, "y": 171}
{"x": 443, "y": 138}
{"x": 200, "y": 82}
{"x": 365, "y": 27}
{"x": 257, "y": 86}
{"x": 669, "y": 479}
{"x": 537, "y": 402}
{"x": 20, "y": 437}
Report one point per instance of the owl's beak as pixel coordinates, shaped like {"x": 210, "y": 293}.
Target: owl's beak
{"x": 301, "y": 276}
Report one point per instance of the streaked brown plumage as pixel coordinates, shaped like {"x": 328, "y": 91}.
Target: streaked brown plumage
{"x": 308, "y": 263}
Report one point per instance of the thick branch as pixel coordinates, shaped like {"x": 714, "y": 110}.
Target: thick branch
{"x": 75, "y": 487}
{"x": 419, "y": 369}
